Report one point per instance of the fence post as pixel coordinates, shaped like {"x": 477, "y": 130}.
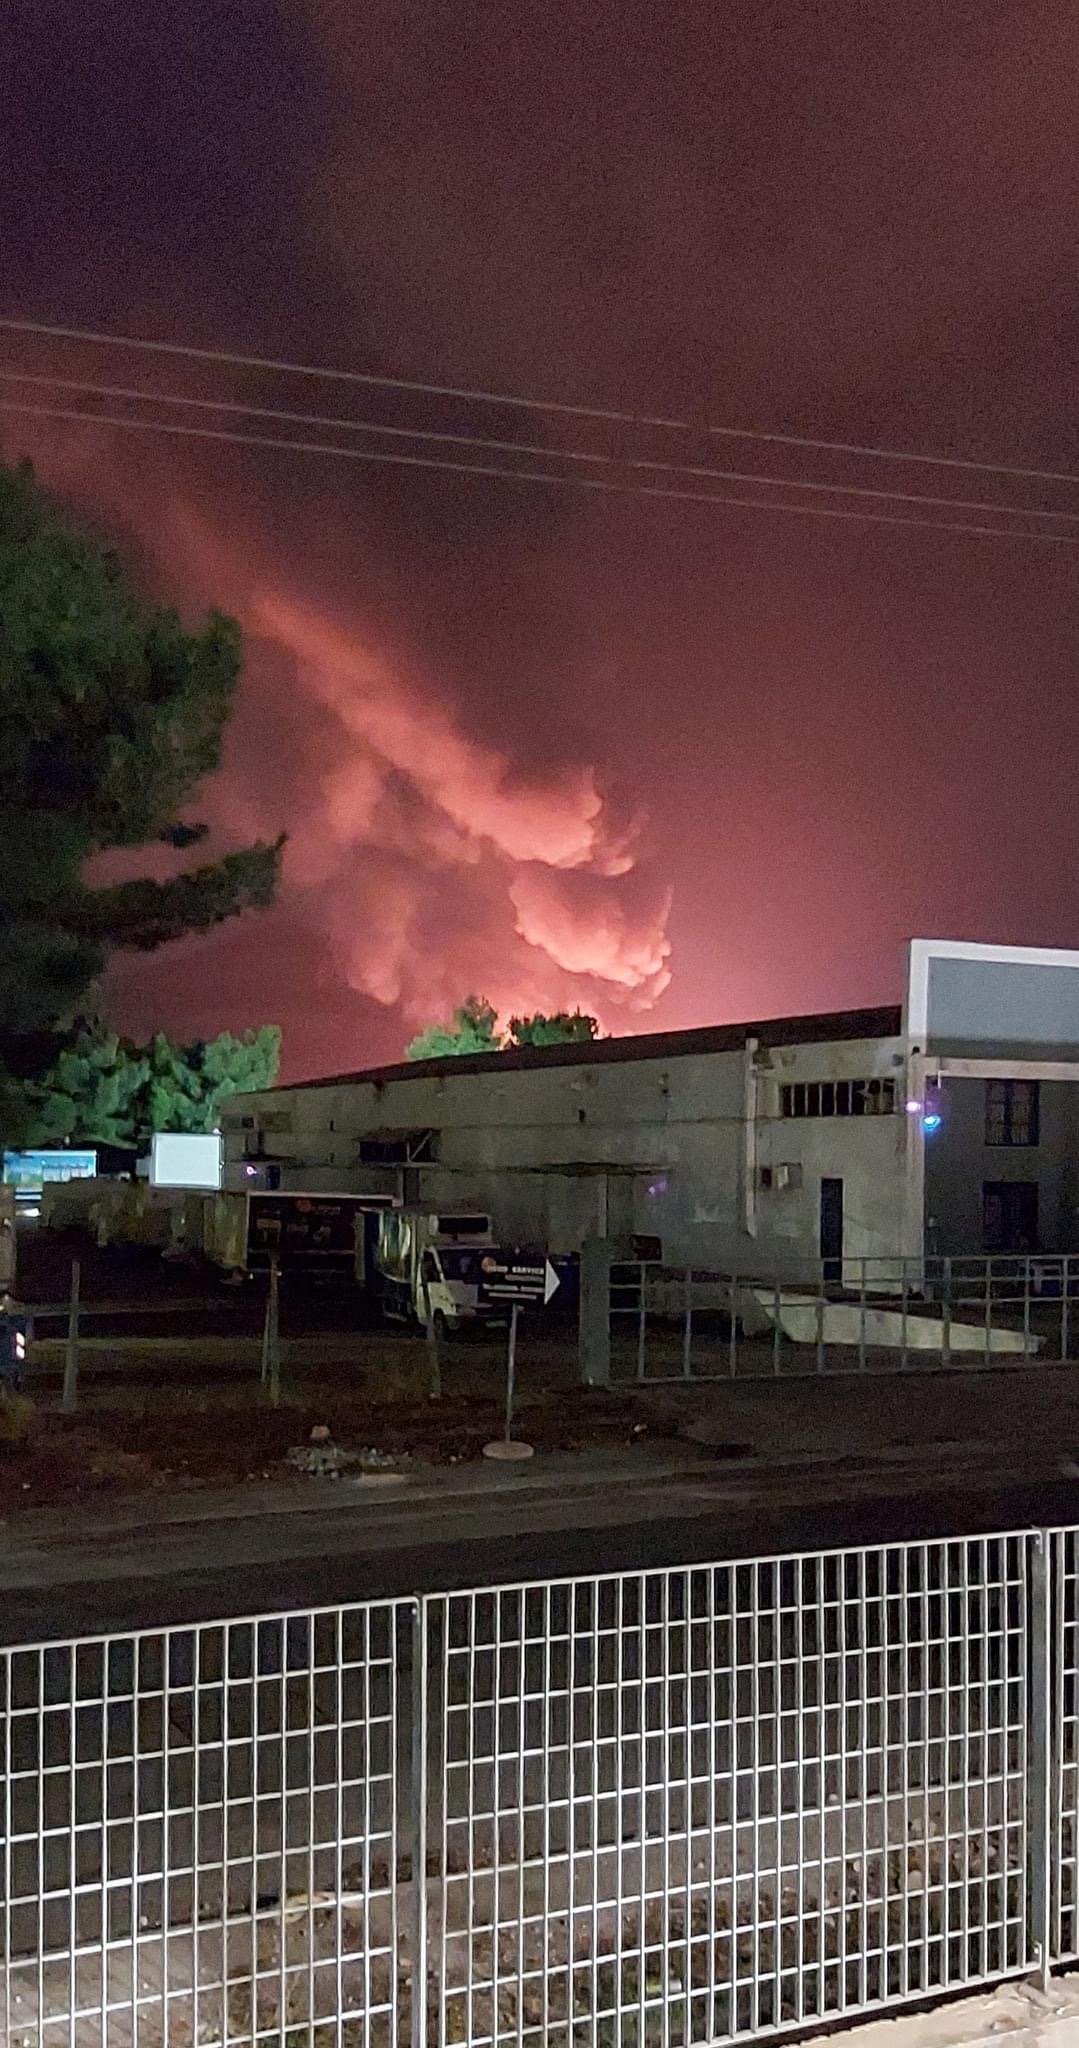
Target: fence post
{"x": 642, "y": 1319}
{"x": 594, "y": 1314}
{"x": 732, "y": 1358}
{"x": 69, "y": 1399}
{"x": 271, "y": 1339}
{"x": 946, "y": 1311}
{"x": 434, "y": 1361}
{"x": 687, "y": 1326}
{"x": 820, "y": 1321}
{"x": 1064, "y": 1308}
{"x": 1039, "y": 1897}
{"x": 418, "y": 1789}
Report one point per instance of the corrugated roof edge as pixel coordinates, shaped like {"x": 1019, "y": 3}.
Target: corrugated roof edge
{"x": 885, "y": 1022}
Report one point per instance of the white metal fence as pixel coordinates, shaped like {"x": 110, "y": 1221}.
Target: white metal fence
{"x": 203, "y": 1835}
{"x": 855, "y": 1316}
{"x": 645, "y": 1811}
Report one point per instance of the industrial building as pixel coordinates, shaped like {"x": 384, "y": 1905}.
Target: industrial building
{"x": 949, "y": 1124}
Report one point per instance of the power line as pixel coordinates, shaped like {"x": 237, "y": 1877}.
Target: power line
{"x": 576, "y": 455}
{"x": 478, "y": 396}
{"x": 584, "y": 483}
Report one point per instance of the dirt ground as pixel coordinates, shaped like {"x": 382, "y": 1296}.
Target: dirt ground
{"x": 230, "y": 1435}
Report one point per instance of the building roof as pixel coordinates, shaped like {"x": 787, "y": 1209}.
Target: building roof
{"x": 821, "y": 1029}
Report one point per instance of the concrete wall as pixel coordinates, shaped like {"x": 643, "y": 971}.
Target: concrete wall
{"x": 685, "y": 1139}
{"x": 868, "y": 1154}
{"x": 958, "y": 1162}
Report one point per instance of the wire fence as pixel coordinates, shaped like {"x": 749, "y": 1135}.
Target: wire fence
{"x": 881, "y": 1315}
{"x": 713, "y": 1802}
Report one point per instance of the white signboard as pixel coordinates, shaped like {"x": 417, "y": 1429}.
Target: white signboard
{"x": 186, "y": 1159}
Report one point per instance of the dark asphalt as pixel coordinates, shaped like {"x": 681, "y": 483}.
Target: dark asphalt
{"x": 362, "y": 1570}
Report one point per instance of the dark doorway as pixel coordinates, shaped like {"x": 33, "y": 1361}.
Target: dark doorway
{"x": 1010, "y": 1215}
{"x": 831, "y": 1228}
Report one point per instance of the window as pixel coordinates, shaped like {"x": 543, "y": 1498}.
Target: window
{"x": 875, "y": 1097}
{"x": 398, "y": 1148}
{"x": 1010, "y": 1215}
{"x": 1011, "y": 1112}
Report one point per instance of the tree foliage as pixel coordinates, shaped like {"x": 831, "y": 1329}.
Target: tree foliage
{"x": 104, "y": 1089}
{"x": 563, "y": 1027}
{"x": 111, "y": 714}
{"x": 474, "y": 1029}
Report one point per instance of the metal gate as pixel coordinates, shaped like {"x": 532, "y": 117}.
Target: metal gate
{"x": 672, "y": 1807}
{"x": 723, "y": 1801}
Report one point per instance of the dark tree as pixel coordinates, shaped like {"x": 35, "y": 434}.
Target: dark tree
{"x": 103, "y": 1089}
{"x": 472, "y": 1030}
{"x": 563, "y": 1027}
{"x": 111, "y": 714}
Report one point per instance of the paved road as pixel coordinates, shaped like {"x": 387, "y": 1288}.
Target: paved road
{"x": 150, "y": 1564}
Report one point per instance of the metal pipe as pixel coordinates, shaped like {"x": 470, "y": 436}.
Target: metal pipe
{"x": 419, "y": 1612}
{"x": 1039, "y": 1752}
{"x": 511, "y": 1373}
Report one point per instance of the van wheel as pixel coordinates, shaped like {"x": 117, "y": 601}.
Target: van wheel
{"x": 441, "y": 1326}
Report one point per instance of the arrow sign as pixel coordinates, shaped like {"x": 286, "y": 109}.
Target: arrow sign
{"x": 523, "y": 1283}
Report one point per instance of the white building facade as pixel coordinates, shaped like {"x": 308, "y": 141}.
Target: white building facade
{"x": 718, "y": 1143}
{"x": 950, "y": 1125}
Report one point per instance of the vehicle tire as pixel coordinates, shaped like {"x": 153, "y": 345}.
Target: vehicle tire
{"x": 441, "y": 1326}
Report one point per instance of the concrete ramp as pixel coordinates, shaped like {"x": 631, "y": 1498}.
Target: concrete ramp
{"x": 805, "y": 1320}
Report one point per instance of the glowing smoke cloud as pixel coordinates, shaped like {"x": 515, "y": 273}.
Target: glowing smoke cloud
{"x": 429, "y": 867}
{"x": 433, "y": 869}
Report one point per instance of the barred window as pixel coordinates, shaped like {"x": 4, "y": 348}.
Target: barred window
{"x": 874, "y": 1097}
{"x": 1011, "y": 1112}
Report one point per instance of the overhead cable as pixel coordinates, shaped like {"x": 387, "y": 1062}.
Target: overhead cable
{"x": 478, "y": 396}
{"x": 573, "y": 482}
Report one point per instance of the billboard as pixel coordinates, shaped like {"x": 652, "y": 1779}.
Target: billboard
{"x": 968, "y": 999}
{"x": 28, "y": 1171}
{"x": 186, "y": 1159}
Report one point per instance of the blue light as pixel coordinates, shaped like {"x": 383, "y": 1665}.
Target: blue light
{"x": 931, "y": 1121}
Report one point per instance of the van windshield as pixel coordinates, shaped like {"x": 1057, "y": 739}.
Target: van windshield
{"x": 460, "y": 1265}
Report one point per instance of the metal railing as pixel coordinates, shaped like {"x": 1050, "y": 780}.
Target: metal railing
{"x": 651, "y": 1810}
{"x": 725, "y": 1801}
{"x": 860, "y": 1315}
{"x": 203, "y": 1835}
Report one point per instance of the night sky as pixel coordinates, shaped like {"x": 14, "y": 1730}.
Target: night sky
{"x": 673, "y": 763}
